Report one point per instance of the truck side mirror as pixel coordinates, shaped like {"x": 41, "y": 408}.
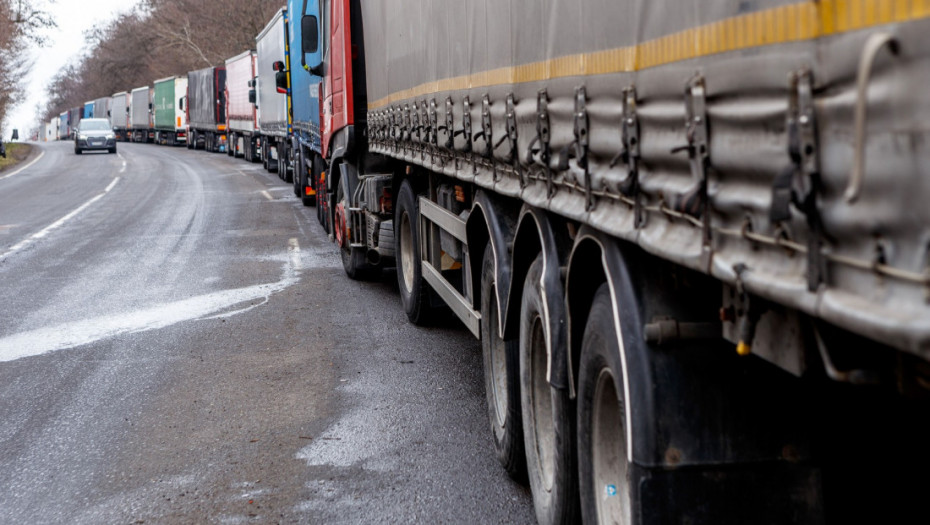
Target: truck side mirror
{"x": 251, "y": 96}
{"x": 278, "y": 66}
{"x": 310, "y": 34}
{"x": 280, "y": 81}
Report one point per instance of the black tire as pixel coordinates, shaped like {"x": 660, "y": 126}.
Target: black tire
{"x": 548, "y": 415}
{"x": 604, "y": 471}
{"x": 231, "y": 145}
{"x": 501, "y": 377}
{"x": 353, "y": 259}
{"x": 299, "y": 175}
{"x": 112, "y": 150}
{"x": 77, "y": 151}
{"x": 414, "y": 291}
{"x": 191, "y": 139}
{"x": 288, "y": 173}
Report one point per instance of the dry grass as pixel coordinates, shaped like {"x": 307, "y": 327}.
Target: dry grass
{"x": 15, "y": 153}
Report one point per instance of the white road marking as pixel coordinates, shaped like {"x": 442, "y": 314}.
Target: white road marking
{"x": 24, "y": 167}
{"x": 215, "y": 304}
{"x": 45, "y": 231}
{"x": 123, "y": 167}
{"x": 267, "y": 195}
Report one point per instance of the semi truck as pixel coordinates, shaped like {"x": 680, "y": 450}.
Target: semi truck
{"x": 74, "y": 119}
{"x": 241, "y": 113}
{"x": 119, "y": 115}
{"x": 170, "y": 119}
{"x": 88, "y": 110}
{"x": 271, "y": 84}
{"x": 206, "y": 109}
{"x": 101, "y": 108}
{"x": 691, "y": 241}
{"x": 304, "y": 96}
{"x": 64, "y": 130}
{"x": 140, "y": 115}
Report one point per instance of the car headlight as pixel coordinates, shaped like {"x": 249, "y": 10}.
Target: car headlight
{"x": 110, "y": 136}
{"x": 82, "y": 136}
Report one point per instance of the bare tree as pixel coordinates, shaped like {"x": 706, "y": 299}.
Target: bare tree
{"x": 161, "y": 38}
{"x": 20, "y": 24}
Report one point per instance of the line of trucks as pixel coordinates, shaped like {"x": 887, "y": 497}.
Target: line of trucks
{"x": 692, "y": 239}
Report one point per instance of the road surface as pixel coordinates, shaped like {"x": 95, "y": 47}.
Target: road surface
{"x": 178, "y": 343}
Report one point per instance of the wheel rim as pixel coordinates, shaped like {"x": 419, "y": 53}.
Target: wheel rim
{"x": 497, "y": 366}
{"x": 544, "y": 427}
{"x": 608, "y": 447}
{"x": 406, "y": 250}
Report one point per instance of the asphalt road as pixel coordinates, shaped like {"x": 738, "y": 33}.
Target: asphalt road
{"x": 179, "y": 344}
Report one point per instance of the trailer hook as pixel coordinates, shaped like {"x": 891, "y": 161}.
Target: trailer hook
{"x": 873, "y": 45}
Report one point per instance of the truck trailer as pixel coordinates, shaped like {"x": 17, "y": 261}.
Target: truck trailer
{"x": 74, "y": 119}
{"x": 241, "y": 112}
{"x": 102, "y": 108}
{"x": 141, "y": 126}
{"x": 206, "y": 109}
{"x": 64, "y": 130}
{"x": 274, "y": 118}
{"x": 304, "y": 94}
{"x": 88, "y": 110}
{"x": 691, "y": 240}
{"x": 119, "y": 115}
{"x": 170, "y": 118}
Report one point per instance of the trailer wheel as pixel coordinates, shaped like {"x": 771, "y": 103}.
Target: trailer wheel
{"x": 231, "y": 146}
{"x": 191, "y": 139}
{"x": 501, "y": 377}
{"x": 548, "y": 415}
{"x": 414, "y": 292}
{"x": 604, "y": 472}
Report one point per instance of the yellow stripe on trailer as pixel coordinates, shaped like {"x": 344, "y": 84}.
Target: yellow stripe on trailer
{"x": 797, "y": 22}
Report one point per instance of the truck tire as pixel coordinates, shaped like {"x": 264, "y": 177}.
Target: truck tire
{"x": 604, "y": 471}
{"x": 231, "y": 146}
{"x": 501, "y": 377}
{"x": 414, "y": 291}
{"x": 353, "y": 259}
{"x": 548, "y": 415}
{"x": 191, "y": 139}
{"x": 303, "y": 181}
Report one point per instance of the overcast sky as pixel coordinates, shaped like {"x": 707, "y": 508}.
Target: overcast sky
{"x": 66, "y": 45}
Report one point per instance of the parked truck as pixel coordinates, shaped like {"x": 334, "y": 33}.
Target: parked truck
{"x": 102, "y": 108}
{"x": 64, "y": 130}
{"x": 241, "y": 112}
{"x": 692, "y": 241}
{"x": 206, "y": 109}
{"x": 274, "y": 118}
{"x": 119, "y": 115}
{"x": 169, "y": 116}
{"x": 74, "y": 119}
{"x": 141, "y": 126}
{"x": 304, "y": 94}
{"x": 87, "y": 110}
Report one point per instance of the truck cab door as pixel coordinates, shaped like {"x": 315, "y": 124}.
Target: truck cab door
{"x": 337, "y": 106}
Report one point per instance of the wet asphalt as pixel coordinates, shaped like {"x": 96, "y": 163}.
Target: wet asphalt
{"x": 179, "y": 344}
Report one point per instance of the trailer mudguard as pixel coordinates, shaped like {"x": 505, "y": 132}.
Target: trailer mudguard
{"x": 491, "y": 220}
{"x": 535, "y": 235}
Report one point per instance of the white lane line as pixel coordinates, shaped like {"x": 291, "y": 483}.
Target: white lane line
{"x": 45, "y": 231}
{"x": 24, "y": 167}
{"x": 215, "y": 305}
{"x": 123, "y": 168}
{"x": 267, "y": 195}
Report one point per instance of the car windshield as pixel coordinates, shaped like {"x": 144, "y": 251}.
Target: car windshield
{"x": 95, "y": 125}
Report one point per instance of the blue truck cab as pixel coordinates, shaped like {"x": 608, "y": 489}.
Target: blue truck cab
{"x": 303, "y": 35}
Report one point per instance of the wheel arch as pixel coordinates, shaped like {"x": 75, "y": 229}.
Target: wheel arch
{"x": 491, "y": 220}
